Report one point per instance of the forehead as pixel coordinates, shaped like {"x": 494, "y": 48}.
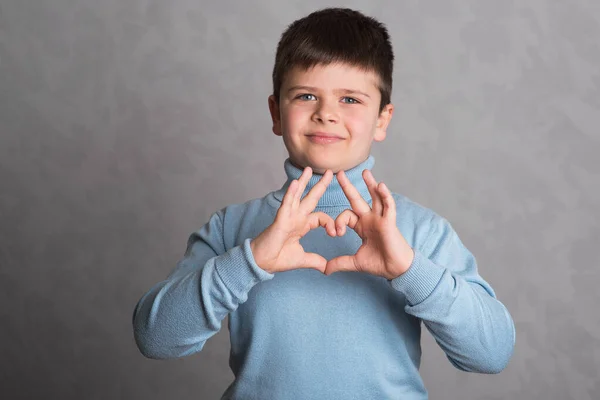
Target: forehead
{"x": 332, "y": 76}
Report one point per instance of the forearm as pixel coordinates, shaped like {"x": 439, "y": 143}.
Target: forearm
{"x": 473, "y": 328}
{"x": 177, "y": 316}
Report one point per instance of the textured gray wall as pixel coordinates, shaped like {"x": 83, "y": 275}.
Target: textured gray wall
{"x": 125, "y": 123}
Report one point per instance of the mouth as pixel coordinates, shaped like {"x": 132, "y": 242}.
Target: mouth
{"x": 324, "y": 138}
{"x": 324, "y": 135}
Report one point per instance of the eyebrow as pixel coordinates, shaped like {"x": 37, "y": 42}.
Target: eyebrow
{"x": 314, "y": 89}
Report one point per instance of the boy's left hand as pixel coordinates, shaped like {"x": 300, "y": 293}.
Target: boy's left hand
{"x": 384, "y": 251}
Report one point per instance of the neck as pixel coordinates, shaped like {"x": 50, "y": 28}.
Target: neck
{"x": 334, "y": 196}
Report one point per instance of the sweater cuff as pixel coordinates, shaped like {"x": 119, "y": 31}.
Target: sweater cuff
{"x": 419, "y": 280}
{"x": 239, "y": 270}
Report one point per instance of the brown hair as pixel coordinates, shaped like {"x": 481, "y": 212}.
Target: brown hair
{"x": 336, "y": 35}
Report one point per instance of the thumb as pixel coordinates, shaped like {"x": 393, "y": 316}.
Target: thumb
{"x": 315, "y": 261}
{"x": 342, "y": 263}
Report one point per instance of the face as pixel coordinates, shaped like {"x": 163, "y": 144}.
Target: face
{"x": 329, "y": 116}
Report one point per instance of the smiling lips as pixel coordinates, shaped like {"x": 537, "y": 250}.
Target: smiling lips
{"x": 324, "y": 138}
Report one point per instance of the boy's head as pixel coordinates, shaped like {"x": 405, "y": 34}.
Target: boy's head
{"x": 332, "y": 77}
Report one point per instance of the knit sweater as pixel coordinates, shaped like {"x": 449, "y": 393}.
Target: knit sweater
{"x": 301, "y": 334}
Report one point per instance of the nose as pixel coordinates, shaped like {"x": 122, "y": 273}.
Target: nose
{"x": 325, "y": 112}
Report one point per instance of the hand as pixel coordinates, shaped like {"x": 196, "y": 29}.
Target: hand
{"x": 278, "y": 247}
{"x": 384, "y": 251}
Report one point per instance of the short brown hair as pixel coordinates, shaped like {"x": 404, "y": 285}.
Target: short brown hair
{"x": 333, "y": 35}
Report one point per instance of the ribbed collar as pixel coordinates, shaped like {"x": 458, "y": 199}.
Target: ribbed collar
{"x": 334, "y": 196}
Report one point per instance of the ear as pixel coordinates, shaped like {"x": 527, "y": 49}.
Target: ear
{"x": 383, "y": 120}
{"x": 275, "y": 115}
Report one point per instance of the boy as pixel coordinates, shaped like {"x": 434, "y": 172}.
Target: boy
{"x": 331, "y": 313}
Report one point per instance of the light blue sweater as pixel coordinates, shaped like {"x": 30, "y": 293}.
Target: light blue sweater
{"x": 303, "y": 335}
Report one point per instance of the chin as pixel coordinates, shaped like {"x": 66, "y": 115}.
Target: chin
{"x": 321, "y": 167}
{"x": 319, "y": 163}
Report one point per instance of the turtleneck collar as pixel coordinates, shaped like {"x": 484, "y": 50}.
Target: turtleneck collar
{"x": 334, "y": 196}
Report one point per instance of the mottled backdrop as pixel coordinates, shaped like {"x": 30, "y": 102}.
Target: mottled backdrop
{"x": 125, "y": 123}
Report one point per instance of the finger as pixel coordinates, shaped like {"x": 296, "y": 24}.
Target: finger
{"x": 311, "y": 200}
{"x": 375, "y": 196}
{"x": 342, "y": 263}
{"x": 321, "y": 219}
{"x": 315, "y": 261}
{"x": 302, "y": 181}
{"x": 288, "y": 198}
{"x": 356, "y": 201}
{"x": 346, "y": 218}
{"x": 389, "y": 205}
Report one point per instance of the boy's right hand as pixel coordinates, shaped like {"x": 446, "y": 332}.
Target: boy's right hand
{"x": 278, "y": 247}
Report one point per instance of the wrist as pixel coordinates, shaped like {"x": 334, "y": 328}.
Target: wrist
{"x": 403, "y": 265}
{"x": 255, "y": 249}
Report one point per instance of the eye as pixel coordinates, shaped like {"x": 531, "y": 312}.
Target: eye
{"x": 305, "y": 97}
{"x": 351, "y": 100}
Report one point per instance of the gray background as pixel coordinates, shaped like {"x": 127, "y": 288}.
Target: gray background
{"x": 125, "y": 123}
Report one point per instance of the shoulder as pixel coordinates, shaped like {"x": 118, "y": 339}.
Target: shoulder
{"x": 243, "y": 210}
{"x": 417, "y": 212}
{"x": 246, "y": 219}
{"x": 418, "y": 223}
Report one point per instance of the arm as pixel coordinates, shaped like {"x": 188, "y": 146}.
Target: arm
{"x": 443, "y": 289}
{"x": 177, "y": 316}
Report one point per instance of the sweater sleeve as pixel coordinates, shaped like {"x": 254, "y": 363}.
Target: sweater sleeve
{"x": 177, "y": 316}
{"x": 460, "y": 309}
